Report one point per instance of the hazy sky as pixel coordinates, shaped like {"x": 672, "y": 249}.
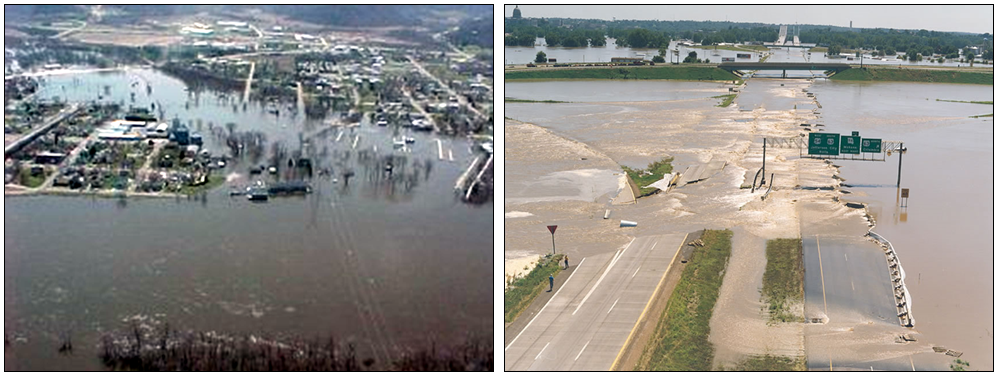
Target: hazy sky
{"x": 949, "y": 18}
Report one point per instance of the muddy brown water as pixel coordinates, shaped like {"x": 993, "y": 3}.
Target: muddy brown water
{"x": 385, "y": 265}
{"x": 942, "y": 237}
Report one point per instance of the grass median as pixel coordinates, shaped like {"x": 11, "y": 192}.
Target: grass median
{"x": 783, "y": 278}
{"x": 680, "y": 342}
{"x": 523, "y": 290}
{"x": 768, "y": 362}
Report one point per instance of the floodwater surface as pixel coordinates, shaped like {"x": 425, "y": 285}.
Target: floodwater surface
{"x": 388, "y": 264}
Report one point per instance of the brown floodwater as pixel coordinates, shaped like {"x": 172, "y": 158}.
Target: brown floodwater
{"x": 942, "y": 237}
{"x": 388, "y": 265}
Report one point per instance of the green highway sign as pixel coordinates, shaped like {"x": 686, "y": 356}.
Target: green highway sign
{"x": 824, "y": 144}
{"x": 850, "y": 145}
{"x": 871, "y": 145}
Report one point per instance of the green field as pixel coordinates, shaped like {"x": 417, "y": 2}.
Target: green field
{"x": 680, "y": 342}
{"x": 523, "y": 291}
{"x": 783, "y": 278}
{"x": 513, "y": 100}
{"x": 682, "y": 72}
{"x": 968, "y": 102}
{"x": 651, "y": 174}
{"x": 886, "y": 74}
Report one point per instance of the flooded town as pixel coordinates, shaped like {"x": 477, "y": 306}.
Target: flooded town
{"x": 755, "y": 194}
{"x": 248, "y": 187}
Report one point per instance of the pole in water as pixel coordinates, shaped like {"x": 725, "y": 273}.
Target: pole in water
{"x": 763, "y": 166}
{"x": 899, "y": 171}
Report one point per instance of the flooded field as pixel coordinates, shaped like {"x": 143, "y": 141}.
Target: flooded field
{"x": 388, "y": 263}
{"x": 942, "y": 238}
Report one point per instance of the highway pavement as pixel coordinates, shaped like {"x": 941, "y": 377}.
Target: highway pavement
{"x": 584, "y": 325}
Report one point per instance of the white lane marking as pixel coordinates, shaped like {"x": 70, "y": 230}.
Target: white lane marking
{"x": 636, "y": 271}
{"x": 602, "y": 277}
{"x": 540, "y": 352}
{"x": 654, "y": 246}
{"x": 581, "y": 350}
{"x": 546, "y": 304}
{"x": 613, "y": 305}
{"x": 852, "y": 284}
{"x": 845, "y": 257}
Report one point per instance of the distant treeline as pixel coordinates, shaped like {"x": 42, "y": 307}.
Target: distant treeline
{"x": 477, "y": 31}
{"x": 655, "y": 34}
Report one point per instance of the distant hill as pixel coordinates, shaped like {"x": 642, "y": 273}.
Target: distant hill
{"x": 25, "y": 13}
{"x": 373, "y": 15}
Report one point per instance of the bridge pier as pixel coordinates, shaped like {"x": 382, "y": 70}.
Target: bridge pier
{"x": 783, "y": 76}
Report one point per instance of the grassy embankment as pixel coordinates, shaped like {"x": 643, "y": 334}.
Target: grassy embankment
{"x": 651, "y": 174}
{"x": 783, "y": 278}
{"x": 726, "y": 99}
{"x": 732, "y": 48}
{"x": 894, "y": 74}
{"x": 682, "y": 72}
{"x": 523, "y": 290}
{"x": 513, "y": 100}
{"x": 680, "y": 342}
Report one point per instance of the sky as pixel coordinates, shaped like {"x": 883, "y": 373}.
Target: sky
{"x": 947, "y": 18}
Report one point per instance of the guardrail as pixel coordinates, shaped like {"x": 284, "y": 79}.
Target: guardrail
{"x": 898, "y": 277}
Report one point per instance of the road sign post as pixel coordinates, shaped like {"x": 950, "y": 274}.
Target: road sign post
{"x": 552, "y": 229}
{"x": 824, "y": 144}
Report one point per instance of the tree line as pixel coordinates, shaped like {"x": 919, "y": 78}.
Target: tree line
{"x": 656, "y": 34}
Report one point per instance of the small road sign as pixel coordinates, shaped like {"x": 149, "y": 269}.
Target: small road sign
{"x": 850, "y": 145}
{"x": 552, "y": 228}
{"x": 871, "y": 145}
{"x": 905, "y": 193}
{"x": 824, "y": 144}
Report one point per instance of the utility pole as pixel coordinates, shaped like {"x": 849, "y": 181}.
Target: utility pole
{"x": 899, "y": 171}
{"x": 763, "y": 166}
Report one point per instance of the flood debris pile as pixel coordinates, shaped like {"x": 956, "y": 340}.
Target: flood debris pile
{"x": 142, "y": 348}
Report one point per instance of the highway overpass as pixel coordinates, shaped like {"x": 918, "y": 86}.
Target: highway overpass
{"x": 782, "y": 66}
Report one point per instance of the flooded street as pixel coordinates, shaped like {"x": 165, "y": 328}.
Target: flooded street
{"x": 389, "y": 263}
{"x": 942, "y": 237}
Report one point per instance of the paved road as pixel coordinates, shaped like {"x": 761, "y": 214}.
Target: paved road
{"x": 586, "y": 322}
{"x": 854, "y": 277}
{"x": 847, "y": 281}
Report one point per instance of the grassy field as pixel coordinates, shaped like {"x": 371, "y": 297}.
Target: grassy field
{"x": 886, "y": 74}
{"x": 783, "y": 278}
{"x": 769, "y": 362}
{"x": 523, "y": 291}
{"x": 651, "y": 174}
{"x": 726, "y": 99}
{"x": 33, "y": 181}
{"x": 681, "y": 72}
{"x": 982, "y": 115}
{"x": 680, "y": 342}
{"x": 513, "y": 100}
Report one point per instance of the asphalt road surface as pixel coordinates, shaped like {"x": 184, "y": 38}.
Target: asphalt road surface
{"x": 847, "y": 285}
{"x": 587, "y": 321}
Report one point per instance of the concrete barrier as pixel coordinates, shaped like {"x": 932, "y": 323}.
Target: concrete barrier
{"x": 898, "y": 276}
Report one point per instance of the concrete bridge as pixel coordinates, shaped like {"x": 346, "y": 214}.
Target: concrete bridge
{"x": 738, "y": 67}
